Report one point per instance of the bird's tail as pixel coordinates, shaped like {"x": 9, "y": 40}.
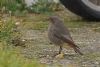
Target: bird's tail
{"x": 76, "y": 48}
{"x": 78, "y": 51}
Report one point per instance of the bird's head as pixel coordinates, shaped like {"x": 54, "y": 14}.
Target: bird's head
{"x": 54, "y": 19}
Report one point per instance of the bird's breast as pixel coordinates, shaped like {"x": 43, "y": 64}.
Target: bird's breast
{"x": 52, "y": 37}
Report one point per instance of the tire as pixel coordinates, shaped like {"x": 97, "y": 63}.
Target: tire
{"x": 83, "y": 8}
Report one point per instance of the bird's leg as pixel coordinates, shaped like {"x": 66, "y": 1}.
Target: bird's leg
{"x": 60, "y": 55}
{"x": 60, "y": 49}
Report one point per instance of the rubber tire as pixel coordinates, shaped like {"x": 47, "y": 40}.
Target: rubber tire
{"x": 79, "y": 8}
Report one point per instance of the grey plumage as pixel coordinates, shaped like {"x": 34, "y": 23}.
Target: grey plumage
{"x": 59, "y": 34}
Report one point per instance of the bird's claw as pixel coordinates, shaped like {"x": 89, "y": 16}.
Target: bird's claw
{"x": 60, "y": 56}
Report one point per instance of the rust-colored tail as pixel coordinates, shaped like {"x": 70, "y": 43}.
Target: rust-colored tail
{"x": 75, "y": 47}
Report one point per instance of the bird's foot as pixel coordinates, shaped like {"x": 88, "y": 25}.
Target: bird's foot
{"x": 60, "y": 56}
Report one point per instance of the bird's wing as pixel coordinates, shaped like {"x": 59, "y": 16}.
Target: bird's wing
{"x": 66, "y": 39}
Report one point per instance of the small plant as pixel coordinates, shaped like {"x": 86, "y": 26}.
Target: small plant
{"x": 12, "y": 5}
{"x": 41, "y": 6}
{"x": 6, "y": 30}
{"x": 19, "y": 7}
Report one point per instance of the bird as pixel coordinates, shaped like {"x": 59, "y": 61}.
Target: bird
{"x": 59, "y": 34}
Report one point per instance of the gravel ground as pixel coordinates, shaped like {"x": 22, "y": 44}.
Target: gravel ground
{"x": 38, "y": 46}
{"x": 87, "y": 38}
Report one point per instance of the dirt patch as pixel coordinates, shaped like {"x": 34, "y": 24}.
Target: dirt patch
{"x": 38, "y": 46}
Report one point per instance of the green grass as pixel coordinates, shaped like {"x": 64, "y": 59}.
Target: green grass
{"x": 11, "y": 57}
{"x": 6, "y": 30}
{"x": 12, "y": 5}
{"x": 40, "y": 22}
{"x": 75, "y": 24}
{"x": 36, "y": 26}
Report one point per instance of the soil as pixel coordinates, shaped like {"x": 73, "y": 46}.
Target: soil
{"x": 38, "y": 46}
